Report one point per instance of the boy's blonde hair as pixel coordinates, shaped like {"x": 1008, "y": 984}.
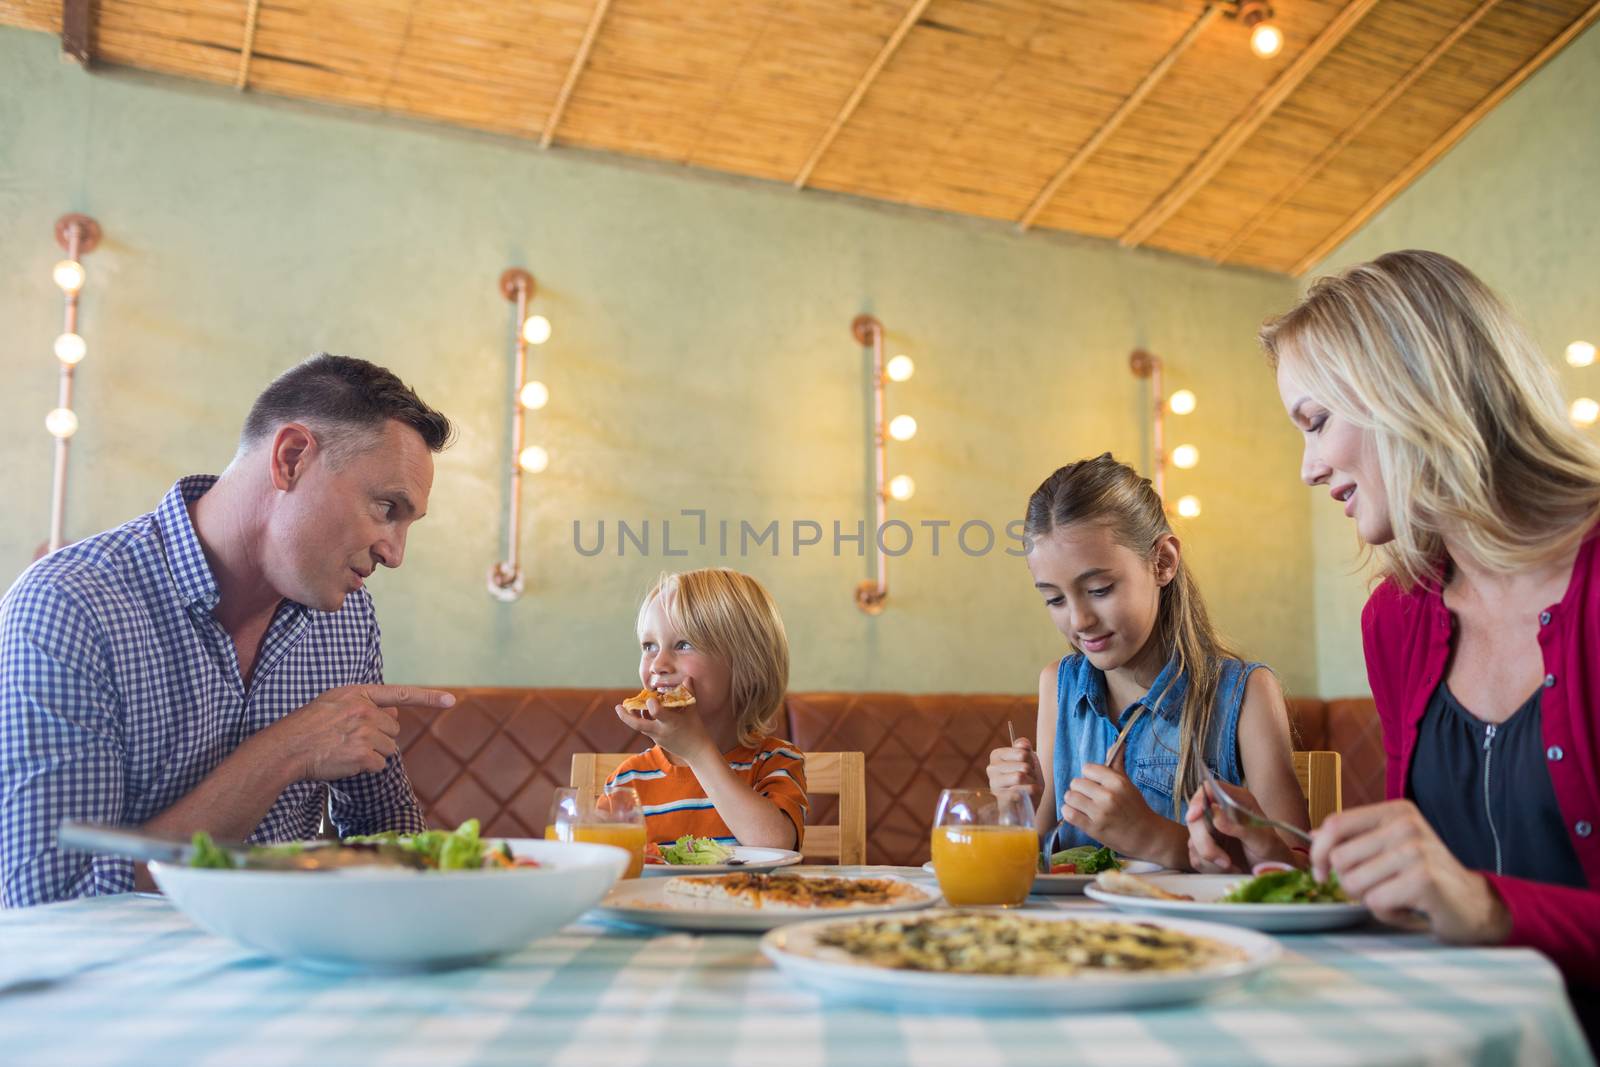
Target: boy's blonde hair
{"x": 1102, "y": 490}
{"x": 1472, "y": 434}
{"x": 731, "y": 615}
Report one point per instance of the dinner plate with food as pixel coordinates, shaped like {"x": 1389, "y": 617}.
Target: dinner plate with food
{"x": 1016, "y": 961}
{"x": 389, "y": 901}
{"x": 755, "y": 900}
{"x": 703, "y": 855}
{"x": 1276, "y": 898}
{"x": 1072, "y": 869}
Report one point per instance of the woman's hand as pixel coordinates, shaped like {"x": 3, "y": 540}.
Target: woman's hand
{"x": 1105, "y": 804}
{"x": 1250, "y": 844}
{"x": 1017, "y": 768}
{"x": 1390, "y": 859}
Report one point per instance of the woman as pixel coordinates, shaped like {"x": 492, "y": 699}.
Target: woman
{"x": 1438, "y": 427}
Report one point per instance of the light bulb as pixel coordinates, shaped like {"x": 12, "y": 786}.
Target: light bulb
{"x": 69, "y": 275}
{"x": 1266, "y": 40}
{"x": 1585, "y": 411}
{"x": 536, "y": 330}
{"x": 1189, "y": 507}
{"x": 70, "y": 348}
{"x": 1185, "y": 456}
{"x": 901, "y": 487}
{"x": 533, "y": 459}
{"x": 900, "y": 368}
{"x": 62, "y": 423}
{"x": 902, "y": 427}
{"x": 1580, "y": 353}
{"x": 1182, "y": 402}
{"x": 534, "y": 396}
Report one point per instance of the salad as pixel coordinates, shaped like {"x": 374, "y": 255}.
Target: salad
{"x": 688, "y": 851}
{"x": 1084, "y": 859}
{"x": 460, "y": 849}
{"x": 1286, "y": 887}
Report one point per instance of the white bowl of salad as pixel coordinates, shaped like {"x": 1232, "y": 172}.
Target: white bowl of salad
{"x": 467, "y": 899}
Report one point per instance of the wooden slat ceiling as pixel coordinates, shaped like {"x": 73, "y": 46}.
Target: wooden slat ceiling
{"x": 1147, "y": 122}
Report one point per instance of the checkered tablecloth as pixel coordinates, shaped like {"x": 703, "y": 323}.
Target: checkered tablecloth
{"x": 129, "y": 981}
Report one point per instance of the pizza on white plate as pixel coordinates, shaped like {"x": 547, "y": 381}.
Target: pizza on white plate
{"x": 795, "y": 892}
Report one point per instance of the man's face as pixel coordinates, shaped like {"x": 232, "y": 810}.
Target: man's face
{"x": 333, "y": 525}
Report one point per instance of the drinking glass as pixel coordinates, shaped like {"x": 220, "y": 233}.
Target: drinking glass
{"x": 985, "y": 848}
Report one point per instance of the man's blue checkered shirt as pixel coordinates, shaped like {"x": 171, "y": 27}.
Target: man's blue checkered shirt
{"x": 119, "y": 692}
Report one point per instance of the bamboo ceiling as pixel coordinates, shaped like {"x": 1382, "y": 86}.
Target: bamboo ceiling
{"x": 1148, "y": 122}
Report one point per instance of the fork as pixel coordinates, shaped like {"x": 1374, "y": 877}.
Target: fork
{"x": 1044, "y": 852}
{"x": 1242, "y": 814}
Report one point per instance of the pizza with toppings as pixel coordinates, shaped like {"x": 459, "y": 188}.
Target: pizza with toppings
{"x": 1013, "y": 944}
{"x": 794, "y": 892}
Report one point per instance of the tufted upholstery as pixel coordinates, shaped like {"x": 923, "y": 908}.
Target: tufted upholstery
{"x": 500, "y": 753}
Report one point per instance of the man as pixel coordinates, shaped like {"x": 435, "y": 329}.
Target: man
{"x": 210, "y": 665}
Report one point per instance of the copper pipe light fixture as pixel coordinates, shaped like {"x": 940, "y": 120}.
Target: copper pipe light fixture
{"x": 517, "y": 285}
{"x": 873, "y": 595}
{"x": 77, "y": 235}
{"x": 1148, "y": 365}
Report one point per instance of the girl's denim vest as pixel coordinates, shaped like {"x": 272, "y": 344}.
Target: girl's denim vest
{"x": 1085, "y": 732}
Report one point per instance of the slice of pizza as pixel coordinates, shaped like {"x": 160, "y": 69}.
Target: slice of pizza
{"x": 792, "y": 892}
{"x": 676, "y": 697}
{"x": 1131, "y": 885}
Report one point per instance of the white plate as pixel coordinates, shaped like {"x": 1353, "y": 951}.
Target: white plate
{"x": 1060, "y": 885}
{"x": 1208, "y": 888}
{"x": 389, "y": 919}
{"x": 795, "y": 951}
{"x": 749, "y": 857}
{"x": 646, "y": 902}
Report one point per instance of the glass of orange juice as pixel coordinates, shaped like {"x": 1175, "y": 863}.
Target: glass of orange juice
{"x": 616, "y": 818}
{"x": 985, "y": 849}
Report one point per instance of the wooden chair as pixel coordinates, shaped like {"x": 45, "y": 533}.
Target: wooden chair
{"x": 1319, "y": 774}
{"x": 841, "y": 774}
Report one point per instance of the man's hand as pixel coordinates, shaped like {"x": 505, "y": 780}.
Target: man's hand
{"x": 347, "y": 731}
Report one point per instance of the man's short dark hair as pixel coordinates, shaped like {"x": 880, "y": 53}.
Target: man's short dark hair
{"x": 342, "y": 399}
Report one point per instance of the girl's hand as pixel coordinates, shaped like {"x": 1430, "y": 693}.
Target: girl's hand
{"x": 1257, "y": 844}
{"x": 680, "y": 731}
{"x": 1017, "y": 768}
{"x": 1390, "y": 859}
{"x": 1106, "y": 805}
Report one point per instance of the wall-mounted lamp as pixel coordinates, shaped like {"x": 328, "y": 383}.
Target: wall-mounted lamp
{"x": 1584, "y": 410}
{"x": 872, "y": 596}
{"x": 1185, "y": 457}
{"x": 77, "y": 235}
{"x": 517, "y": 286}
{"x": 1266, "y": 39}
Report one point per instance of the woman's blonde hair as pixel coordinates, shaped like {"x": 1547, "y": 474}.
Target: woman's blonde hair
{"x": 1102, "y": 490}
{"x": 1472, "y": 435}
{"x": 732, "y": 616}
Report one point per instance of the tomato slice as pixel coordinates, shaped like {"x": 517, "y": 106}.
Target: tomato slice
{"x": 1064, "y": 868}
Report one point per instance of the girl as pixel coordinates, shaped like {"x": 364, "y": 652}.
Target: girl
{"x": 1151, "y": 694}
{"x": 1438, "y": 428}
{"x": 715, "y": 770}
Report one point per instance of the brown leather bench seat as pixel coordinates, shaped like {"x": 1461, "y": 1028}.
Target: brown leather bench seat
{"x": 500, "y": 752}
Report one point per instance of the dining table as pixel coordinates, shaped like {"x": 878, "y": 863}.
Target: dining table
{"x": 129, "y": 980}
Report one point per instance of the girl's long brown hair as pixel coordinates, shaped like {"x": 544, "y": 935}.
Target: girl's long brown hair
{"x": 1102, "y": 490}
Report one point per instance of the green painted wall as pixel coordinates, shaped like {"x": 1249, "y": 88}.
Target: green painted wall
{"x": 701, "y": 359}
{"x": 1515, "y": 201}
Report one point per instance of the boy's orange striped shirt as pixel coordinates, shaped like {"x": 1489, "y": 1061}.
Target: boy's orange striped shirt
{"x": 675, "y": 804}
